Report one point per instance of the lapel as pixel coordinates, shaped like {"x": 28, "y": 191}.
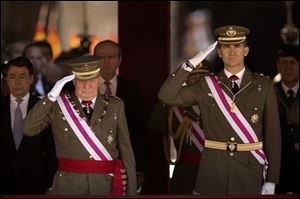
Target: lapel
{"x": 31, "y": 102}
{"x": 10, "y": 137}
{"x": 98, "y": 108}
{"x": 224, "y": 82}
{"x": 281, "y": 94}
{"x": 78, "y": 104}
{"x": 248, "y": 82}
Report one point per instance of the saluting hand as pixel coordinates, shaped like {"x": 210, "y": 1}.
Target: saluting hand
{"x": 54, "y": 93}
{"x": 202, "y": 54}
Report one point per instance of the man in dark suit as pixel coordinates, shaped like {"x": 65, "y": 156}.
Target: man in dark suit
{"x": 40, "y": 57}
{"x": 111, "y": 84}
{"x": 287, "y": 91}
{"x": 240, "y": 119}
{"x": 28, "y": 164}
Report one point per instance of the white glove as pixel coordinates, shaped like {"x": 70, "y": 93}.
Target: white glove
{"x": 54, "y": 93}
{"x": 268, "y": 188}
{"x": 202, "y": 54}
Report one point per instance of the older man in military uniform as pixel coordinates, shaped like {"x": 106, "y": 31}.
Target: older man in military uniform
{"x": 90, "y": 133}
{"x": 239, "y": 112}
{"x": 287, "y": 91}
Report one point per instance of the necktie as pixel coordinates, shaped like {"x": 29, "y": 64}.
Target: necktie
{"x": 290, "y": 97}
{"x": 17, "y": 130}
{"x": 107, "y": 91}
{"x": 234, "y": 86}
{"x": 87, "y": 108}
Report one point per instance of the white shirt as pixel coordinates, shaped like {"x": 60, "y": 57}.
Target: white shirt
{"x": 285, "y": 88}
{"x": 239, "y": 75}
{"x": 113, "y": 85}
{"x": 13, "y": 106}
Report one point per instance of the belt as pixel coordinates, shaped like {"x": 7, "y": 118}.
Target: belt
{"x": 233, "y": 146}
{"x": 94, "y": 166}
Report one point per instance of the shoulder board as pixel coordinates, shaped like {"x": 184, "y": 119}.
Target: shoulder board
{"x": 115, "y": 97}
{"x": 261, "y": 75}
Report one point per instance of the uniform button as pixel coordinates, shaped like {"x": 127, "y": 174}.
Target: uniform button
{"x": 255, "y": 108}
{"x": 44, "y": 103}
{"x": 60, "y": 175}
{"x": 232, "y": 138}
{"x": 173, "y": 74}
{"x": 231, "y": 154}
{"x": 66, "y": 129}
{"x": 90, "y": 157}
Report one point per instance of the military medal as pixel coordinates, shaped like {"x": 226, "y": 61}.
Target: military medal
{"x": 88, "y": 109}
{"x": 254, "y": 118}
{"x": 110, "y": 138}
{"x": 259, "y": 88}
{"x": 233, "y": 107}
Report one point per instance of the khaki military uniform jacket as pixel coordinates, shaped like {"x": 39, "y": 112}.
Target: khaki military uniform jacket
{"x": 220, "y": 173}
{"x": 69, "y": 146}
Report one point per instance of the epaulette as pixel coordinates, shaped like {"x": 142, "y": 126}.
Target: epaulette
{"x": 115, "y": 97}
{"x": 260, "y": 74}
{"x": 264, "y": 75}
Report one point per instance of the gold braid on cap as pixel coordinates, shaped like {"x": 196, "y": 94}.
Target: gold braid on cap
{"x": 86, "y": 73}
{"x": 231, "y": 38}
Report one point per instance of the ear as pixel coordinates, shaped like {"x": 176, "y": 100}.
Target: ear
{"x": 246, "y": 51}
{"x": 31, "y": 79}
{"x": 219, "y": 52}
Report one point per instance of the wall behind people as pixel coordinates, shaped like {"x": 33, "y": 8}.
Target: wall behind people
{"x": 144, "y": 37}
{"x": 13, "y": 25}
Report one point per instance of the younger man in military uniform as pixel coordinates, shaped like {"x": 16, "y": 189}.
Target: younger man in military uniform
{"x": 90, "y": 132}
{"x": 239, "y": 116}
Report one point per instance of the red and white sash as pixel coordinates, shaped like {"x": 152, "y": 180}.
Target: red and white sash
{"x": 83, "y": 131}
{"x": 195, "y": 131}
{"x": 237, "y": 121}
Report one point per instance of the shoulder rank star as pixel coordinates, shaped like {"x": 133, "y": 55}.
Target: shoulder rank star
{"x": 254, "y": 118}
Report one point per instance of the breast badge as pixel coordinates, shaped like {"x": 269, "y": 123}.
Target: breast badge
{"x": 254, "y": 118}
{"x": 110, "y": 139}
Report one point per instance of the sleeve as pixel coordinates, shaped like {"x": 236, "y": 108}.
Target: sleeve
{"x": 38, "y": 118}
{"x": 126, "y": 151}
{"x": 272, "y": 136}
{"x": 173, "y": 93}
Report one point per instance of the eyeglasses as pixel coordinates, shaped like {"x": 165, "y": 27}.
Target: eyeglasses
{"x": 109, "y": 57}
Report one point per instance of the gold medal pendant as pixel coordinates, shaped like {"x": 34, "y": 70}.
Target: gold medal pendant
{"x": 233, "y": 107}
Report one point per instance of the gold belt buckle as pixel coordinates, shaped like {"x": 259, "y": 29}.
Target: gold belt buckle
{"x": 231, "y": 146}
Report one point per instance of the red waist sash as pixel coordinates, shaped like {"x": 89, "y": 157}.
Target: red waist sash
{"x": 190, "y": 158}
{"x": 94, "y": 166}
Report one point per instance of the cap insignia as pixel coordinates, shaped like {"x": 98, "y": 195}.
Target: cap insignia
{"x": 231, "y": 32}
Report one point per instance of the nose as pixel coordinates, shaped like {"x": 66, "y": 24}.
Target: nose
{"x": 18, "y": 81}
